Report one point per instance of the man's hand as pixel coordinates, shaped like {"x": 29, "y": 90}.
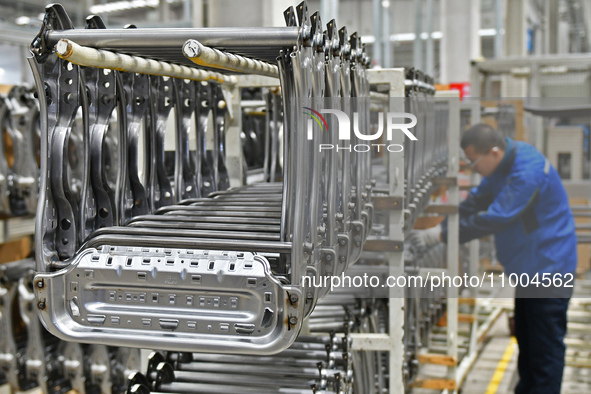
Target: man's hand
{"x": 425, "y": 238}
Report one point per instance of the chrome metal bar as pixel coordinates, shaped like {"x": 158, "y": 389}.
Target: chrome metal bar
{"x": 202, "y": 243}
{"x": 258, "y": 42}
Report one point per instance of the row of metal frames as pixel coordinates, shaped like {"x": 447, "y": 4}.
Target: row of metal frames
{"x": 347, "y": 311}
{"x": 319, "y": 363}
{"x": 171, "y": 249}
{"x": 425, "y": 158}
{"x": 423, "y": 306}
{"x": 313, "y": 364}
{"x": 262, "y": 128}
{"x": 31, "y": 357}
{"x": 423, "y": 310}
{"x": 19, "y": 152}
{"x": 365, "y": 310}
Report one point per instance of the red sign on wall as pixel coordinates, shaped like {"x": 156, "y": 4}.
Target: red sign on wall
{"x": 462, "y": 87}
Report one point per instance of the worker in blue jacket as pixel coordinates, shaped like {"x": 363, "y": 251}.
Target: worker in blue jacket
{"x": 521, "y": 200}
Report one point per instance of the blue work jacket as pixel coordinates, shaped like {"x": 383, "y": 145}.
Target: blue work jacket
{"x": 524, "y": 204}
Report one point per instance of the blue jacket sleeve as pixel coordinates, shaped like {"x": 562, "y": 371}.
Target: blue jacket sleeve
{"x": 478, "y": 200}
{"x": 519, "y": 193}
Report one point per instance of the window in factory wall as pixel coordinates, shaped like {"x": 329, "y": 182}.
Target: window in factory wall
{"x": 564, "y": 165}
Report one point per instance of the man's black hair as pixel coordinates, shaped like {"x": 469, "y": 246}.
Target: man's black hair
{"x": 483, "y": 138}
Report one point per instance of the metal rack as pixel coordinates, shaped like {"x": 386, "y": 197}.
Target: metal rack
{"x": 455, "y": 372}
{"x": 392, "y": 341}
{"x": 388, "y": 197}
{"x": 393, "y": 203}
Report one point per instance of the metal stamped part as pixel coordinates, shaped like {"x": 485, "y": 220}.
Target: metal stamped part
{"x": 189, "y": 299}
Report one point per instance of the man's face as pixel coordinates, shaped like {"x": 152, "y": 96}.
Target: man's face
{"x": 484, "y": 164}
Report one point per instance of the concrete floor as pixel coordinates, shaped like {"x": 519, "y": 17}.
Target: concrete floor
{"x": 491, "y": 363}
{"x": 576, "y": 379}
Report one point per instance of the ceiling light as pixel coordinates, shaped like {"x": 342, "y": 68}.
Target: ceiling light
{"x": 22, "y": 20}
{"x": 122, "y": 5}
